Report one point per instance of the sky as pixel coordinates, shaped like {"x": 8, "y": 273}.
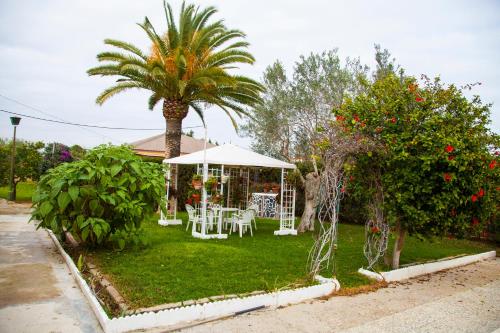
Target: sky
{"x": 47, "y": 46}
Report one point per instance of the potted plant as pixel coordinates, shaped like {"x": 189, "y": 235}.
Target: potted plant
{"x": 197, "y": 182}
{"x": 211, "y": 184}
{"x": 217, "y": 198}
{"x": 196, "y": 197}
{"x": 266, "y": 187}
{"x": 275, "y": 188}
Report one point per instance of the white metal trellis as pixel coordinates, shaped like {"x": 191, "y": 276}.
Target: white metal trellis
{"x": 286, "y": 207}
{"x": 170, "y": 215}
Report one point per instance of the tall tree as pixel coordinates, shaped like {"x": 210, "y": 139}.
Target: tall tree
{"x": 286, "y": 124}
{"x": 28, "y": 161}
{"x": 187, "y": 66}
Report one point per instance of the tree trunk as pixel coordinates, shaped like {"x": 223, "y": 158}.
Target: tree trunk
{"x": 398, "y": 246}
{"x": 174, "y": 112}
{"x": 311, "y": 190}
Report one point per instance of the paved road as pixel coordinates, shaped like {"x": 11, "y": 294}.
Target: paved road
{"x": 37, "y": 292}
{"x": 465, "y": 299}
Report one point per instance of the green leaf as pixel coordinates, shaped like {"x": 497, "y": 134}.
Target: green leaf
{"x": 115, "y": 169}
{"x": 63, "y": 200}
{"x": 73, "y": 192}
{"x": 46, "y": 208}
{"x": 121, "y": 243}
{"x": 85, "y": 233}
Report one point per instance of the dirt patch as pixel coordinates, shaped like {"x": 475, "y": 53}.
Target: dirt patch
{"x": 26, "y": 283}
{"x": 9, "y": 207}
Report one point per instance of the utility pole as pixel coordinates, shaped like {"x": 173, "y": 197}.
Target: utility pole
{"x": 12, "y": 194}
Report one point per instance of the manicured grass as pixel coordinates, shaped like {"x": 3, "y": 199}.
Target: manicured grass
{"x": 176, "y": 267}
{"x": 24, "y": 191}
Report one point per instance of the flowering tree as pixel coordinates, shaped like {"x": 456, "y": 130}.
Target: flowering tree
{"x": 55, "y": 154}
{"x": 436, "y": 158}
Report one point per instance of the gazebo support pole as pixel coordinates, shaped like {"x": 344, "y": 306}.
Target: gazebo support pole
{"x": 281, "y": 197}
{"x": 204, "y": 190}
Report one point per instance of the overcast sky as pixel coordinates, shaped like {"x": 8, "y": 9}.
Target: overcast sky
{"x": 47, "y": 46}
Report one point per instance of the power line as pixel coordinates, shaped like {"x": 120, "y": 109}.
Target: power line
{"x": 81, "y": 125}
{"x": 51, "y": 115}
{"x": 93, "y": 126}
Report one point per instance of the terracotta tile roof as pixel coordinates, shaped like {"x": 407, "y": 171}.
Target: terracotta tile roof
{"x": 155, "y": 145}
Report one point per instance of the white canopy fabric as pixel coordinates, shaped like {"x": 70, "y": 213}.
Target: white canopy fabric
{"x": 229, "y": 154}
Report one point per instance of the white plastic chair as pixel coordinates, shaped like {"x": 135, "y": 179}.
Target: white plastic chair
{"x": 242, "y": 221}
{"x": 192, "y": 217}
{"x": 255, "y": 208}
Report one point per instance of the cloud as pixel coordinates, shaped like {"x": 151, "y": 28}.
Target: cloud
{"x": 47, "y": 46}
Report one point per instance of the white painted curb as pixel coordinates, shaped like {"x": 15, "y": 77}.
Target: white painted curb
{"x": 422, "y": 269}
{"x": 196, "y": 312}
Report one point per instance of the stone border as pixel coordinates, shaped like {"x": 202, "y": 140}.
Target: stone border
{"x": 422, "y": 269}
{"x": 196, "y": 312}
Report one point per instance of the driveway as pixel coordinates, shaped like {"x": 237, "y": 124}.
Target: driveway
{"x": 465, "y": 299}
{"x": 37, "y": 291}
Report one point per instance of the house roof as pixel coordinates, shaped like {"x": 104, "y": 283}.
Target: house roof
{"x": 229, "y": 154}
{"x": 155, "y": 145}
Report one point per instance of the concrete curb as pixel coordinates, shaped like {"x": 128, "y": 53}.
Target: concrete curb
{"x": 422, "y": 269}
{"x": 196, "y": 312}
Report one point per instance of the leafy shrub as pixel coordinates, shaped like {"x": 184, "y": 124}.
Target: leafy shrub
{"x": 102, "y": 197}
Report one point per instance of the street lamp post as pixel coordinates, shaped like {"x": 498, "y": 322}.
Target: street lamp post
{"x": 12, "y": 194}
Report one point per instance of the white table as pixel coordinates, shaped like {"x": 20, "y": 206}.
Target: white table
{"x": 266, "y": 203}
{"x": 219, "y": 212}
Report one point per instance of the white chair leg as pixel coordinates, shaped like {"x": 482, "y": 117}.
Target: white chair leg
{"x": 255, "y": 223}
{"x": 187, "y": 227}
{"x": 250, "y": 226}
{"x": 241, "y": 230}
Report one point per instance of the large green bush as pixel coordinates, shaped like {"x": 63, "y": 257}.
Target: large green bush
{"x": 102, "y": 197}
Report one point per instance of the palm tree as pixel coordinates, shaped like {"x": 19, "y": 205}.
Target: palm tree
{"x": 187, "y": 66}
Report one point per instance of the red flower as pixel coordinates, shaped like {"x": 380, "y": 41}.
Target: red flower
{"x": 342, "y": 189}
{"x": 497, "y": 153}
{"x": 356, "y": 118}
{"x": 419, "y": 99}
{"x": 475, "y": 221}
{"x": 481, "y": 193}
{"x": 473, "y": 198}
{"x": 375, "y": 230}
{"x": 447, "y": 177}
{"x": 451, "y": 157}
{"x": 378, "y": 129}
{"x": 393, "y": 120}
{"x": 340, "y": 118}
{"x": 493, "y": 164}
{"x": 449, "y": 148}
{"x": 363, "y": 124}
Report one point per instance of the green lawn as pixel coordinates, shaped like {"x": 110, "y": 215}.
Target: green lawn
{"x": 177, "y": 267}
{"x": 24, "y": 191}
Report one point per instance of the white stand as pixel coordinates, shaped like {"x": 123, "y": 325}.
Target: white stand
{"x": 169, "y": 222}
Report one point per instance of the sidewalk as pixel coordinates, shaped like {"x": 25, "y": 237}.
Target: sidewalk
{"x": 465, "y": 299}
{"x": 38, "y": 294}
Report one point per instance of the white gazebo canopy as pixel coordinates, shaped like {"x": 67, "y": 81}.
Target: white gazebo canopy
{"x": 233, "y": 156}
{"x": 229, "y": 154}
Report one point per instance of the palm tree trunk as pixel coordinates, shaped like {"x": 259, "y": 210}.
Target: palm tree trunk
{"x": 174, "y": 112}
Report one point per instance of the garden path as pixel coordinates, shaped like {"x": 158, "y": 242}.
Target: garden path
{"x": 38, "y": 293}
{"x": 464, "y": 299}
